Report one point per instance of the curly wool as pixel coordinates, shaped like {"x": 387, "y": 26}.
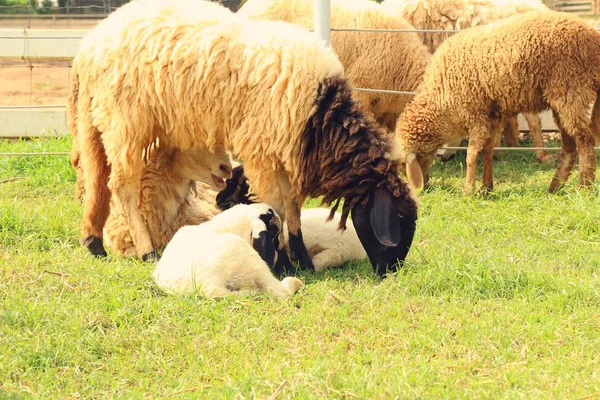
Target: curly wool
{"x": 168, "y": 200}
{"x": 456, "y": 14}
{"x": 381, "y": 61}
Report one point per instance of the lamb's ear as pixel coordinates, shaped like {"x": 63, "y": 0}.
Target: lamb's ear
{"x": 385, "y": 220}
{"x": 414, "y": 172}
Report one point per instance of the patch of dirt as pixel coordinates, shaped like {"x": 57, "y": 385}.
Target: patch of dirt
{"x": 40, "y": 83}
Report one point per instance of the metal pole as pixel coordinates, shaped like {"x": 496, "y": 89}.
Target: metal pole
{"x": 322, "y": 20}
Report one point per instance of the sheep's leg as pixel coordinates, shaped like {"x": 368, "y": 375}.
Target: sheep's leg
{"x": 587, "y": 157}
{"x": 298, "y": 250}
{"x": 479, "y": 135}
{"x": 535, "y": 130}
{"x": 126, "y": 186}
{"x": 511, "y": 131}
{"x": 488, "y": 155}
{"x": 568, "y": 153}
{"x": 95, "y": 172}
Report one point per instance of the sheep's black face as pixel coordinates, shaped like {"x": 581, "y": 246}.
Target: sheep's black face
{"x": 385, "y": 235}
{"x": 237, "y": 190}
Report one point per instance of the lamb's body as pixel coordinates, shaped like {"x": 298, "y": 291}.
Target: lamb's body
{"x": 380, "y": 60}
{"x": 217, "y": 259}
{"x": 168, "y": 200}
{"x": 464, "y": 14}
{"x": 191, "y": 74}
{"x": 527, "y": 63}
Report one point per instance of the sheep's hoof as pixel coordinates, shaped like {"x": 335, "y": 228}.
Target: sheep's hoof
{"x": 150, "y": 257}
{"x": 546, "y": 159}
{"x": 283, "y": 265}
{"x": 95, "y": 246}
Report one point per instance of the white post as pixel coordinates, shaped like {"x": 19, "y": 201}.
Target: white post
{"x": 322, "y": 20}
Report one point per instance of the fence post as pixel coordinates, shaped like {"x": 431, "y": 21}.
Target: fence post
{"x": 322, "y": 20}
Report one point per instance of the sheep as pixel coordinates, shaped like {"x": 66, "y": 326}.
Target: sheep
{"x": 463, "y": 14}
{"x": 383, "y": 60}
{"x": 191, "y": 74}
{"x": 230, "y": 254}
{"x": 526, "y": 63}
{"x": 326, "y": 245}
{"x": 172, "y": 195}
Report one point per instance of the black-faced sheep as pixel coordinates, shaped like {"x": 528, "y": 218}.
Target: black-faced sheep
{"x": 231, "y": 254}
{"x": 464, "y": 14}
{"x": 382, "y": 60}
{"x": 192, "y": 75}
{"x": 527, "y": 63}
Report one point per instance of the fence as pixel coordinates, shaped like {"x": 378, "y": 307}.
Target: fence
{"x": 30, "y": 45}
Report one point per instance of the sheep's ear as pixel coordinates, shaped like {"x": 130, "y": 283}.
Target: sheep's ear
{"x": 414, "y": 172}
{"x": 385, "y": 220}
{"x": 266, "y": 246}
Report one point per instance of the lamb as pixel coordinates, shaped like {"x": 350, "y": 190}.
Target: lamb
{"x": 526, "y": 63}
{"x": 463, "y": 14}
{"x": 190, "y": 74}
{"x": 172, "y": 195}
{"x": 383, "y": 60}
{"x": 230, "y": 254}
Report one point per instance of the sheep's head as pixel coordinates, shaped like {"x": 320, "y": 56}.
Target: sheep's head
{"x": 236, "y": 191}
{"x": 385, "y": 224}
{"x": 200, "y": 164}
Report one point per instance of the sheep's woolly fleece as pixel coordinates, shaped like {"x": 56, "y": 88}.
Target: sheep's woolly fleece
{"x": 526, "y": 63}
{"x": 383, "y": 60}
{"x": 456, "y": 14}
{"x": 217, "y": 259}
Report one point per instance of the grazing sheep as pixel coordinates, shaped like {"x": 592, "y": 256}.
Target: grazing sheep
{"x": 463, "y": 14}
{"x": 327, "y": 246}
{"x": 527, "y": 63}
{"x": 172, "y": 195}
{"x": 382, "y": 60}
{"x": 231, "y": 254}
{"x": 190, "y": 74}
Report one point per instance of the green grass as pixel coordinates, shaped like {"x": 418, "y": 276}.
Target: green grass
{"x": 500, "y": 299}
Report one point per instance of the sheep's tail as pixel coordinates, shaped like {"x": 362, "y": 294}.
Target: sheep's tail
{"x": 596, "y": 118}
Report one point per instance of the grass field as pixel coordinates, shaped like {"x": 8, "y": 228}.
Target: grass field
{"x": 499, "y": 299}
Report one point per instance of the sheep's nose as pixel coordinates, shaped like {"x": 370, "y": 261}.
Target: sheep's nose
{"x": 226, "y": 169}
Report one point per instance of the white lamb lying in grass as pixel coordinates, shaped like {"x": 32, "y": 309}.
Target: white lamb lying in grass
{"x": 230, "y": 254}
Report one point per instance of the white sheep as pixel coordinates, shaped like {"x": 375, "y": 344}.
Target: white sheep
{"x": 463, "y": 14}
{"x": 383, "y": 60}
{"x": 526, "y": 63}
{"x": 189, "y": 73}
{"x": 228, "y": 255}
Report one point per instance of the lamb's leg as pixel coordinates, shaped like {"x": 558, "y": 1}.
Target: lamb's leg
{"x": 95, "y": 173}
{"x": 568, "y": 152}
{"x": 126, "y": 186}
{"x": 535, "y": 130}
{"x": 298, "y": 250}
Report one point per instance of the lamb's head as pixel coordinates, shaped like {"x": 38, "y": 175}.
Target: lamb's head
{"x": 236, "y": 191}
{"x": 200, "y": 164}
{"x": 257, "y": 223}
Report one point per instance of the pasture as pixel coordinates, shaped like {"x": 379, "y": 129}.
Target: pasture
{"x": 499, "y": 298}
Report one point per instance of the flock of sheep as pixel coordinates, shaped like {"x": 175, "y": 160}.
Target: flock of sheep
{"x": 163, "y": 92}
